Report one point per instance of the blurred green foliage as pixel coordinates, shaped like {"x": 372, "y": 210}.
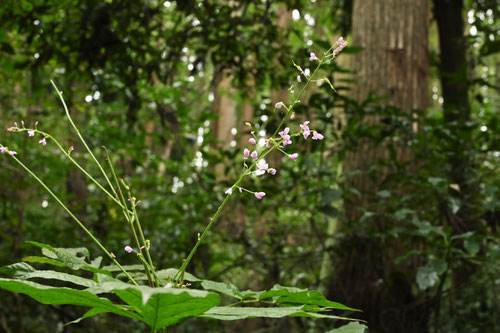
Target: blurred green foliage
{"x": 140, "y": 76}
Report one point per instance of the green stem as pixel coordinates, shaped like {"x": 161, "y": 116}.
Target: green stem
{"x": 126, "y": 213}
{"x": 46, "y": 135}
{"x": 111, "y": 256}
{"x": 80, "y": 136}
{"x": 146, "y": 247}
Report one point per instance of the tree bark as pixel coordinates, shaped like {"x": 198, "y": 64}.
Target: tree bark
{"x": 393, "y": 65}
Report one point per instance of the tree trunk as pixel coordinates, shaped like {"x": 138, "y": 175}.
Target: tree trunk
{"x": 393, "y": 64}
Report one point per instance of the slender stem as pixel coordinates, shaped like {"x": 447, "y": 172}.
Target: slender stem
{"x": 179, "y": 276}
{"x": 47, "y": 135}
{"x": 87, "y": 231}
{"x": 80, "y": 136}
{"x": 146, "y": 247}
{"x": 129, "y": 218}
{"x": 297, "y": 99}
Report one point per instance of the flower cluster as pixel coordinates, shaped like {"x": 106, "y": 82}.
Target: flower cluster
{"x": 282, "y": 141}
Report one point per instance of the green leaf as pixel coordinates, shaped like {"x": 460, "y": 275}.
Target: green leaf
{"x": 44, "y": 260}
{"x": 227, "y": 289}
{"x": 292, "y": 295}
{"x": 384, "y": 194}
{"x": 161, "y": 307}
{"x": 428, "y": 275}
{"x": 237, "y": 313}
{"x": 57, "y": 296}
{"x": 169, "y": 273}
{"x": 23, "y": 271}
{"x": 472, "y": 246}
{"x": 353, "y": 327}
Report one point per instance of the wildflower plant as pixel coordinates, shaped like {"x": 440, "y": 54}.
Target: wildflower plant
{"x": 162, "y": 297}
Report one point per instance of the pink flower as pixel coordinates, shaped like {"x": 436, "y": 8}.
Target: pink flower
{"x": 252, "y": 141}
{"x": 298, "y": 78}
{"x": 272, "y": 171}
{"x": 246, "y": 153}
{"x": 278, "y": 105}
{"x": 313, "y": 57}
{"x": 294, "y": 156}
{"x": 128, "y": 249}
{"x": 43, "y": 142}
{"x": 254, "y": 155}
{"x": 229, "y": 191}
{"x": 22, "y": 122}
{"x": 71, "y": 148}
{"x": 31, "y": 133}
{"x": 262, "y": 165}
{"x": 317, "y": 136}
{"x": 241, "y": 190}
{"x": 13, "y": 129}
{"x": 306, "y": 134}
{"x": 36, "y": 123}
{"x": 259, "y": 195}
{"x": 12, "y": 153}
{"x": 284, "y": 135}
{"x": 305, "y": 125}
{"x": 341, "y": 46}
{"x": 3, "y": 150}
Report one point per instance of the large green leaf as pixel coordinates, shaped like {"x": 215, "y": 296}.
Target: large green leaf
{"x": 24, "y": 271}
{"x": 54, "y": 295}
{"x": 161, "y": 307}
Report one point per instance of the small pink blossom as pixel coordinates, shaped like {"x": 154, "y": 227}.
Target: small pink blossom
{"x": 246, "y": 153}
{"x": 317, "y": 136}
{"x": 272, "y": 171}
{"x": 306, "y": 134}
{"x": 254, "y": 155}
{"x": 71, "y": 148}
{"x": 259, "y": 195}
{"x": 252, "y": 141}
{"x": 294, "y": 156}
{"x": 12, "y": 153}
{"x": 229, "y": 191}
{"x": 3, "y": 150}
{"x": 262, "y": 165}
{"x": 313, "y": 57}
{"x": 36, "y": 123}
{"x": 43, "y": 142}
{"x": 128, "y": 249}
{"x": 31, "y": 133}
{"x": 240, "y": 189}
{"x": 298, "y": 78}
{"x": 305, "y": 125}
{"x": 341, "y": 46}
{"x": 22, "y": 123}
{"x": 13, "y": 129}
{"x": 284, "y": 135}
{"x": 278, "y": 105}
